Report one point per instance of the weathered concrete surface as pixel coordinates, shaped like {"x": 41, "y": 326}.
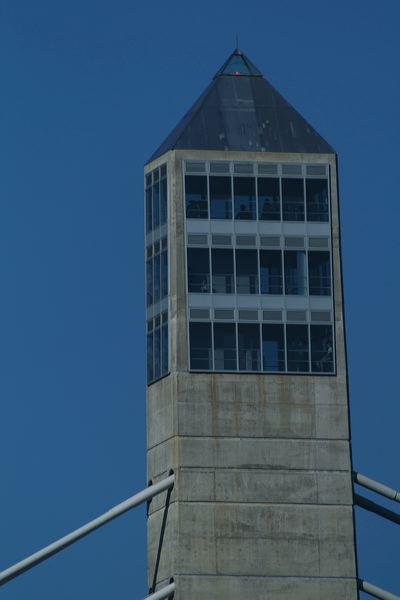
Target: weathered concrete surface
{"x": 262, "y": 506}
{"x": 276, "y": 588}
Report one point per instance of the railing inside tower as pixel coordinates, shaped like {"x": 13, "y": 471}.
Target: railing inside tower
{"x": 199, "y": 282}
{"x": 223, "y": 283}
{"x": 293, "y": 208}
{"x": 317, "y": 211}
{"x": 295, "y": 283}
{"x": 247, "y": 284}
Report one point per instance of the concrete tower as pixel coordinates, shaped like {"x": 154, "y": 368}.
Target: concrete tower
{"x": 247, "y": 384}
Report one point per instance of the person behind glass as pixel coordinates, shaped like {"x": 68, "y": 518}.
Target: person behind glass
{"x": 204, "y": 286}
{"x": 268, "y": 208}
{"x": 325, "y": 364}
{"x": 243, "y": 212}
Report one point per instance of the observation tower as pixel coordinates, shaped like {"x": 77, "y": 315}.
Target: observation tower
{"x": 246, "y": 362}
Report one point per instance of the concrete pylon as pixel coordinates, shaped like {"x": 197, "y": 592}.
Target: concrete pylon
{"x": 247, "y": 397}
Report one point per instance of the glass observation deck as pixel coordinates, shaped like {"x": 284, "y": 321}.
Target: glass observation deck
{"x": 259, "y": 272}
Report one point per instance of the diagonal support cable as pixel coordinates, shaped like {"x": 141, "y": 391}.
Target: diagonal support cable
{"x": 74, "y": 536}
{"x": 376, "y": 591}
{"x": 376, "y": 486}
{"x": 165, "y": 592}
{"x": 367, "y": 504}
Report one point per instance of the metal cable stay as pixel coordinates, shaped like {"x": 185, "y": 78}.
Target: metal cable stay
{"x": 362, "y": 502}
{"x": 166, "y": 485}
{"x": 45, "y": 553}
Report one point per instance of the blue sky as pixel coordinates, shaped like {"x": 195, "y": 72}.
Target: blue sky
{"x": 89, "y": 89}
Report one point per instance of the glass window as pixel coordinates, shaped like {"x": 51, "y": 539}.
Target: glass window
{"x": 239, "y": 65}
{"x": 149, "y": 210}
{"x": 317, "y": 200}
{"x": 156, "y": 205}
{"x": 220, "y": 198}
{"x": 196, "y": 197}
{"x": 157, "y": 353}
{"x": 244, "y": 190}
{"x": 164, "y": 274}
{"x": 249, "y": 347}
{"x": 149, "y": 281}
{"x": 293, "y": 199}
{"x": 321, "y": 349}
{"x": 319, "y": 273}
{"x": 150, "y": 372}
{"x": 225, "y": 347}
{"x": 163, "y": 201}
{"x": 269, "y": 204}
{"x": 200, "y": 346}
{"x": 297, "y": 348}
{"x": 273, "y": 348}
{"x": 295, "y": 272}
{"x": 157, "y": 277}
{"x": 164, "y": 349}
{"x": 222, "y": 271}
{"x": 246, "y": 272}
{"x": 198, "y": 270}
{"x": 271, "y": 271}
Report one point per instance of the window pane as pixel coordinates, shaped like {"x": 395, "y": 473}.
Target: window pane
{"x": 156, "y": 205}
{"x": 249, "y": 347}
{"x": 321, "y": 349}
{"x": 244, "y": 190}
{"x": 297, "y": 348}
{"x": 157, "y": 353}
{"x": 269, "y": 205}
{"x": 196, "y": 197}
{"x": 273, "y": 347}
{"x": 293, "y": 199}
{"x": 246, "y": 272}
{"x": 200, "y": 346}
{"x": 164, "y": 349}
{"x": 149, "y": 210}
{"x": 164, "y": 274}
{"x": 225, "y": 347}
{"x": 317, "y": 200}
{"x": 156, "y": 277}
{"x": 149, "y": 281}
{"x": 220, "y": 198}
{"x": 163, "y": 201}
{"x": 295, "y": 272}
{"x": 319, "y": 273}
{"x": 150, "y": 370}
{"x": 198, "y": 270}
{"x": 271, "y": 271}
{"x": 222, "y": 271}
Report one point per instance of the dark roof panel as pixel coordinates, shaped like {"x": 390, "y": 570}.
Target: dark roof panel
{"x": 243, "y": 112}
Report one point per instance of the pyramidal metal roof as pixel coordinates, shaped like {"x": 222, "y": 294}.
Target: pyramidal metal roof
{"x": 242, "y": 111}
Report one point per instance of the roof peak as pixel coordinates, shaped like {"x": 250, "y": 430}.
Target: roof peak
{"x": 243, "y": 114}
{"x": 238, "y": 64}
